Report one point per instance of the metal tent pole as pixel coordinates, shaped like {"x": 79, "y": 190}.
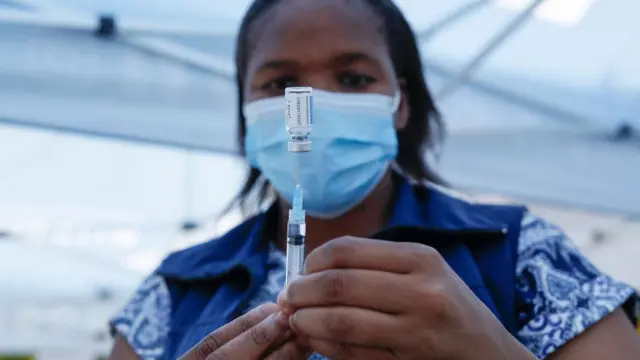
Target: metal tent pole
{"x": 493, "y": 44}
{"x": 142, "y": 35}
{"x": 72, "y": 20}
{"x": 451, "y": 19}
{"x": 41, "y": 5}
{"x": 214, "y": 65}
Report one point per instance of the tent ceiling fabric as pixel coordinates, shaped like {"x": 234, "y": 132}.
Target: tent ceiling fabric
{"x": 525, "y": 124}
{"x": 591, "y": 67}
{"x": 69, "y": 80}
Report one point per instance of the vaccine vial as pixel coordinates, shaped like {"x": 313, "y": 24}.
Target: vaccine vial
{"x": 298, "y": 110}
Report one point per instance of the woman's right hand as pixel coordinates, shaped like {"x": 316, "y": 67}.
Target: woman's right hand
{"x": 262, "y": 333}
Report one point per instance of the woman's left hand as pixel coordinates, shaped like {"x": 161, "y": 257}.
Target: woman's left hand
{"x": 369, "y": 299}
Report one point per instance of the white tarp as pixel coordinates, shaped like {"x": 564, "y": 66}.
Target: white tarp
{"x": 568, "y": 68}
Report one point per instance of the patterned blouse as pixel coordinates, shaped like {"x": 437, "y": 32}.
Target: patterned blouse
{"x": 562, "y": 292}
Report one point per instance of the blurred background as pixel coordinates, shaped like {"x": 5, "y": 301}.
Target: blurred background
{"x": 117, "y": 139}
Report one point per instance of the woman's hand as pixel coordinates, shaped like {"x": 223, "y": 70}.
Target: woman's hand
{"x": 262, "y": 333}
{"x": 368, "y": 299}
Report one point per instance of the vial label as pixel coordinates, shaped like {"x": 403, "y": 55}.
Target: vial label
{"x": 310, "y": 110}
{"x": 298, "y": 109}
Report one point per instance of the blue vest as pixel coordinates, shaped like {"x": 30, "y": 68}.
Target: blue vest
{"x": 211, "y": 284}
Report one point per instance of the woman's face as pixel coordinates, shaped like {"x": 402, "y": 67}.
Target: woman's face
{"x": 333, "y": 45}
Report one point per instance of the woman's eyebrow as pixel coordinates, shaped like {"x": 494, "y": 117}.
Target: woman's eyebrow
{"x": 350, "y": 58}
{"x": 275, "y": 65}
{"x": 339, "y": 60}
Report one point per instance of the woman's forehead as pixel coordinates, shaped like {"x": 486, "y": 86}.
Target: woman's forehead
{"x": 315, "y": 29}
{"x": 352, "y": 10}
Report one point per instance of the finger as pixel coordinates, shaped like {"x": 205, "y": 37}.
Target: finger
{"x": 349, "y": 287}
{"x": 348, "y": 325}
{"x": 290, "y": 351}
{"x": 358, "y": 253}
{"x": 221, "y": 336}
{"x": 340, "y": 351}
{"x": 254, "y": 343}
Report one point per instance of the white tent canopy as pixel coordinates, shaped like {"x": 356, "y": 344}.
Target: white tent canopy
{"x": 531, "y": 121}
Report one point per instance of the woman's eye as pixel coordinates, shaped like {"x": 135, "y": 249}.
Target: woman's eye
{"x": 280, "y": 83}
{"x": 355, "y": 80}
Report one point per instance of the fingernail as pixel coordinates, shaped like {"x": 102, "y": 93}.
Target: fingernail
{"x": 282, "y": 319}
{"x": 292, "y": 321}
{"x": 284, "y": 306}
{"x": 282, "y": 297}
{"x": 288, "y": 311}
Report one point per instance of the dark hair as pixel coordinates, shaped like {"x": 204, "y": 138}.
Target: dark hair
{"x": 424, "y": 130}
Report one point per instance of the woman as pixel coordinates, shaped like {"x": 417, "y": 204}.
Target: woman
{"x": 398, "y": 267}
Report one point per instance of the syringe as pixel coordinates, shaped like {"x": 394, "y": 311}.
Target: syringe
{"x": 296, "y": 236}
{"x": 298, "y": 122}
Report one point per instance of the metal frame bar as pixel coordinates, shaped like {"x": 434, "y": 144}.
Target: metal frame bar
{"x": 73, "y": 20}
{"x": 41, "y": 5}
{"x": 25, "y": 123}
{"x": 493, "y": 44}
{"x": 566, "y": 204}
{"x": 456, "y": 16}
{"x": 514, "y": 97}
{"x": 137, "y": 34}
{"x": 522, "y": 100}
{"x": 66, "y": 21}
{"x": 216, "y": 66}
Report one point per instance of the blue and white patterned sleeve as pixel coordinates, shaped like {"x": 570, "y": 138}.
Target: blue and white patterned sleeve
{"x": 144, "y": 322}
{"x": 560, "y": 292}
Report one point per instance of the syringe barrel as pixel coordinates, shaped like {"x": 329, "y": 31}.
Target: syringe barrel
{"x": 298, "y": 109}
{"x": 295, "y": 261}
{"x": 296, "y": 233}
{"x": 296, "y": 236}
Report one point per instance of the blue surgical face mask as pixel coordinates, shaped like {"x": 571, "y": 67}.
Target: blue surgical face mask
{"x": 353, "y": 140}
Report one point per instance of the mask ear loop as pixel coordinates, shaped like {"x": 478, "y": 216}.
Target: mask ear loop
{"x": 395, "y": 105}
